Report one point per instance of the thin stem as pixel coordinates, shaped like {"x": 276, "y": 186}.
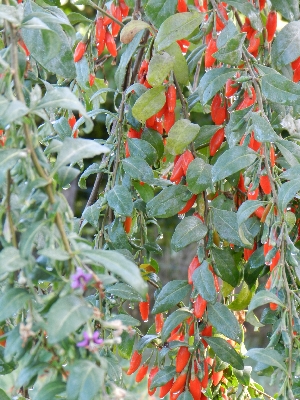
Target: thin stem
{"x": 261, "y": 392}
{"x": 8, "y": 210}
{"x": 96, "y": 7}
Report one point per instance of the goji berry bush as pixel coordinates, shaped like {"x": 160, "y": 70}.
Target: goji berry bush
{"x": 201, "y": 116}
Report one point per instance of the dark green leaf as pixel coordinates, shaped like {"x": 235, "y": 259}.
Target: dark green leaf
{"x": 66, "y": 175}
{"x": 28, "y": 237}
{"x": 225, "y": 352}
{"x": 29, "y": 372}
{"x": 263, "y": 131}
{"x": 285, "y": 47}
{"x": 189, "y": 230}
{"x": 288, "y": 9}
{"x": 269, "y": 357}
{"x": 186, "y": 395}
{"x": 171, "y": 294}
{"x": 155, "y": 139}
{"x": 278, "y": 89}
{"x": 203, "y": 281}
{"x": 91, "y": 169}
{"x": 92, "y": 213}
{"x": 145, "y": 191}
{"x": 126, "y": 319}
{"x": 163, "y": 376}
{"x": 8, "y": 158}
{"x": 231, "y": 161}
{"x": 3, "y": 395}
{"x": 243, "y": 376}
{"x": 198, "y": 176}
{"x": 66, "y": 316}
{"x": 249, "y": 10}
{"x": 236, "y": 127}
{"x": 226, "y": 34}
{"x": 290, "y": 151}
{"x": 138, "y": 169}
{"x": 225, "y": 222}
{"x": 144, "y": 341}
{"x": 125, "y": 60}
{"x": 11, "y": 301}
{"x": 76, "y": 18}
{"x": 212, "y": 81}
{"x": 242, "y": 300}
{"x": 139, "y": 148}
{"x": 176, "y": 27}
{"x": 119, "y": 199}
{"x": 248, "y": 208}
{"x": 287, "y": 192}
{"x": 159, "y": 10}
{"x": 173, "y": 320}
{"x": 254, "y": 266}
{"x": 224, "y": 321}
{"x": 123, "y": 291}
{"x": 194, "y": 57}
{"x": 205, "y": 134}
{"x": 85, "y": 380}
{"x": 231, "y": 53}
{"x": 168, "y": 202}
{"x": 225, "y": 266}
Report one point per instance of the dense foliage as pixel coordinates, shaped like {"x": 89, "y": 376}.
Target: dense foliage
{"x": 204, "y": 125}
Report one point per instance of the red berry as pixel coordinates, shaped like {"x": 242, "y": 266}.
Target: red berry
{"x": 271, "y": 25}
{"x": 218, "y": 111}
{"x": 135, "y": 362}
{"x": 199, "y": 306}
{"x": 182, "y": 358}
{"x": 141, "y": 373}
{"x": 153, "y": 372}
{"x": 100, "y": 31}
{"x": 210, "y": 50}
{"x": 79, "y": 51}
{"x": 189, "y": 205}
{"x": 171, "y": 98}
{"x": 159, "y": 322}
{"x": 110, "y": 44}
{"x": 181, "y": 6}
{"x": 216, "y": 141}
{"x": 144, "y": 307}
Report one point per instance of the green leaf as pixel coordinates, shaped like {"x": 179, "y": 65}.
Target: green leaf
{"x": 224, "y": 321}
{"x": 226, "y": 34}
{"x": 291, "y": 173}
{"x": 287, "y": 192}
{"x": 62, "y": 62}
{"x": 92, "y": 213}
{"x": 65, "y": 316}
{"x": 249, "y": 10}
{"x": 144, "y": 341}
{"x": 66, "y": 175}
{"x": 242, "y": 300}
{"x": 138, "y": 169}
{"x": 225, "y": 222}
{"x": 173, "y": 320}
{"x": 155, "y": 139}
{"x": 163, "y": 376}
{"x": 176, "y": 27}
{"x": 3, "y": 395}
{"x": 225, "y": 266}
{"x": 8, "y": 158}
{"x": 11, "y": 301}
{"x": 126, "y": 319}
{"x": 243, "y": 376}
{"x": 194, "y": 57}
{"x": 254, "y": 266}
{"x": 231, "y": 53}
{"x": 212, "y": 81}
{"x": 149, "y": 103}
{"x": 182, "y": 133}
{"x": 55, "y": 254}
{"x": 140, "y": 148}
{"x": 119, "y": 199}
{"x": 64, "y": 98}
{"x": 30, "y": 372}
{"x": 264, "y": 297}
{"x": 225, "y": 352}
{"x": 28, "y": 237}
{"x": 76, "y": 18}
{"x": 159, "y": 10}
{"x": 125, "y": 348}
{"x": 263, "y": 131}
{"x": 118, "y": 264}
{"x": 189, "y": 230}
{"x": 11, "y": 260}
{"x": 203, "y": 281}
{"x": 186, "y": 395}
{"x": 124, "y": 291}
{"x": 290, "y": 151}
{"x": 85, "y": 380}
{"x": 237, "y": 125}
{"x": 269, "y": 357}
{"x": 288, "y": 9}
{"x": 168, "y": 202}
{"x": 10, "y": 14}
{"x": 248, "y": 208}
{"x": 205, "y": 134}
{"x": 198, "y": 176}
{"x": 159, "y": 67}
{"x": 171, "y": 294}
{"x": 131, "y": 29}
{"x": 231, "y": 161}
{"x": 278, "y": 89}
{"x": 145, "y": 191}
{"x": 285, "y": 47}
{"x": 125, "y": 60}
{"x": 180, "y": 66}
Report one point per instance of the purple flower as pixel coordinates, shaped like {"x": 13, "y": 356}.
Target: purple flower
{"x": 89, "y": 341}
{"x": 80, "y": 279}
